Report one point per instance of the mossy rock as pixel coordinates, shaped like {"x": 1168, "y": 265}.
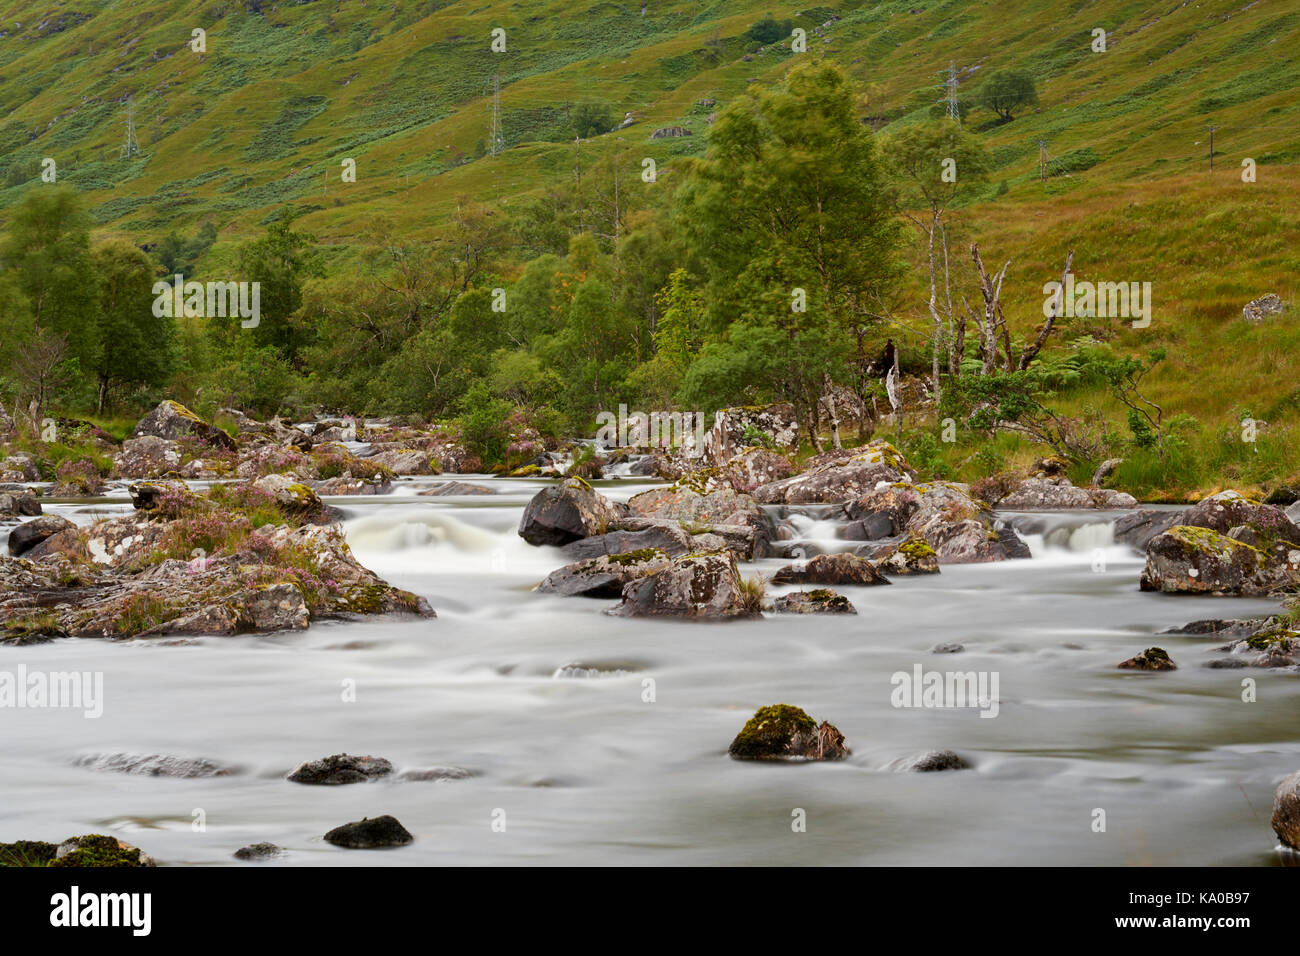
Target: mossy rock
{"x": 27, "y": 853}
{"x": 97, "y": 850}
{"x": 783, "y": 732}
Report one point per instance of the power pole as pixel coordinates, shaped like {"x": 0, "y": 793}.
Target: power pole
{"x": 1042, "y": 160}
{"x": 1211, "y": 129}
{"x": 132, "y": 146}
{"x": 954, "y": 111}
{"x": 495, "y": 140}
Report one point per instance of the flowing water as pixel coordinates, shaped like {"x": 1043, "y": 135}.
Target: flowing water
{"x": 545, "y": 701}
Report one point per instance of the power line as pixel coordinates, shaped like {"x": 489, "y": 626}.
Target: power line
{"x": 132, "y": 145}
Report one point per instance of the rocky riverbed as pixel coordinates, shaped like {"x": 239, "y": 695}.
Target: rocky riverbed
{"x": 572, "y": 700}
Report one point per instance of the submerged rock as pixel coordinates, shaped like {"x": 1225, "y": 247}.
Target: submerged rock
{"x": 605, "y": 576}
{"x": 340, "y": 769}
{"x": 820, "y": 601}
{"x": 259, "y": 851}
{"x": 155, "y": 765}
{"x": 1286, "y": 811}
{"x": 1152, "y": 659}
{"x": 369, "y": 834}
{"x": 435, "y": 774}
{"x": 840, "y": 568}
{"x": 939, "y": 760}
{"x": 782, "y": 732}
{"x": 448, "y": 488}
{"x": 566, "y": 512}
{"x": 697, "y": 586}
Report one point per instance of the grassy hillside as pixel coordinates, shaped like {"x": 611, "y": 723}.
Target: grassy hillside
{"x": 285, "y": 92}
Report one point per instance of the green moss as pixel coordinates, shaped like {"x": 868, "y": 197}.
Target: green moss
{"x": 636, "y": 557}
{"x": 99, "y": 850}
{"x": 821, "y": 594}
{"x": 27, "y": 853}
{"x": 527, "y": 471}
{"x": 1270, "y": 638}
{"x": 916, "y": 549}
{"x": 767, "y": 733}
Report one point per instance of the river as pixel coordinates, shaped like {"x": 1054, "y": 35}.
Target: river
{"x": 576, "y": 759}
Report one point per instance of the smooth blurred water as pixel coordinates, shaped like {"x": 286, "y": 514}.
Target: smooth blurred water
{"x": 588, "y": 772}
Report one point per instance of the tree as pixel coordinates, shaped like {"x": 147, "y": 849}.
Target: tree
{"x": 1006, "y": 91}
{"x": 770, "y": 30}
{"x": 281, "y": 261}
{"x": 1124, "y": 376}
{"x": 787, "y": 211}
{"x": 47, "y": 255}
{"x": 133, "y": 346}
{"x": 592, "y": 119}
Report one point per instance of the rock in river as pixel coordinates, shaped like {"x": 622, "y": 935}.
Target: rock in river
{"x": 782, "y": 732}
{"x": 605, "y": 576}
{"x": 1152, "y": 659}
{"x": 819, "y": 601}
{"x": 340, "y": 769}
{"x": 695, "y": 586}
{"x": 831, "y": 569}
{"x": 369, "y": 834}
{"x": 566, "y": 512}
{"x": 1286, "y": 811}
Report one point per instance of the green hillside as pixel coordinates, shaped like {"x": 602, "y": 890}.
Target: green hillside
{"x": 1112, "y": 164}
{"x": 286, "y": 91}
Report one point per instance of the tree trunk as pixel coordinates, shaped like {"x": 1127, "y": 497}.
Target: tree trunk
{"x": 830, "y": 408}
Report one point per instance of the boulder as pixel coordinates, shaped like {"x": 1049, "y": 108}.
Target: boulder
{"x": 369, "y": 834}
{"x": 148, "y": 456}
{"x": 1137, "y": 528}
{"x": 31, "y": 533}
{"x": 604, "y": 576}
{"x": 694, "y": 586}
{"x": 19, "y": 504}
{"x": 294, "y": 498}
{"x": 754, "y": 467}
{"x": 449, "y": 488}
{"x": 566, "y": 512}
{"x": 701, "y": 508}
{"x": 959, "y": 528}
{"x": 173, "y": 421}
{"x": 910, "y": 556}
{"x": 819, "y": 601}
{"x": 407, "y": 462}
{"x": 1152, "y": 659}
{"x": 782, "y": 732}
{"x": 1230, "y": 509}
{"x": 1195, "y": 559}
{"x": 840, "y": 568}
{"x": 839, "y": 478}
{"x": 634, "y": 534}
{"x": 19, "y": 467}
{"x": 1257, "y": 310}
{"x": 96, "y": 849}
{"x": 1286, "y": 811}
{"x": 1270, "y": 645}
{"x": 340, "y": 769}
{"x": 776, "y": 423}
{"x": 1058, "y": 494}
